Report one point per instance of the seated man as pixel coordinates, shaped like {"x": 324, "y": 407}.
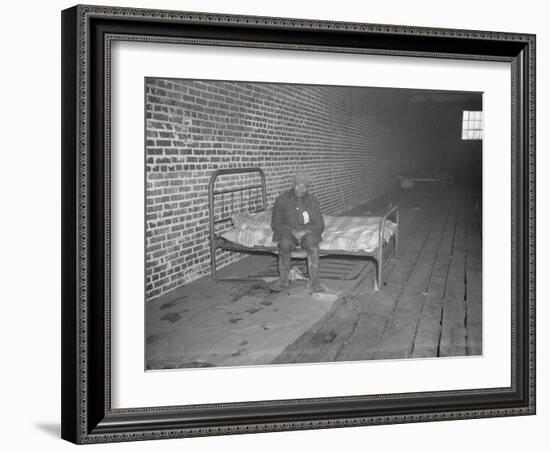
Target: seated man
{"x": 297, "y": 220}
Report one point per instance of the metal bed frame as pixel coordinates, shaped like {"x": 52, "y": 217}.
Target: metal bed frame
{"x": 381, "y": 256}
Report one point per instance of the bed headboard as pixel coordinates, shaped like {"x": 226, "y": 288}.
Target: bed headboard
{"x": 235, "y": 190}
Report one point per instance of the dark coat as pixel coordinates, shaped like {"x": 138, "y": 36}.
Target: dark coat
{"x": 290, "y": 213}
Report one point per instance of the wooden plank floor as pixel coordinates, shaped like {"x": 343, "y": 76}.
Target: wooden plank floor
{"x": 431, "y": 303}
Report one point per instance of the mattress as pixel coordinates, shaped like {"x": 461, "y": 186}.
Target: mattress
{"x": 344, "y": 233}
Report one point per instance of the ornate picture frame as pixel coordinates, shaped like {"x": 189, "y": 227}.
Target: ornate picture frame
{"x": 88, "y": 415}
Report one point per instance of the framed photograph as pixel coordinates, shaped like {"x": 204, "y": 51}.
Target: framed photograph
{"x": 281, "y": 224}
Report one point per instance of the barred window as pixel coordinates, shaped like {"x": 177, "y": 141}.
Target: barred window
{"x": 472, "y": 125}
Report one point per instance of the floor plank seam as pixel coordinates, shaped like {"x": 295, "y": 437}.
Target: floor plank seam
{"x": 466, "y": 340}
{"x": 444, "y": 300}
{"x": 436, "y": 256}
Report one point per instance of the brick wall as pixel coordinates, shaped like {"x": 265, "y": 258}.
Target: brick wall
{"x": 194, "y": 127}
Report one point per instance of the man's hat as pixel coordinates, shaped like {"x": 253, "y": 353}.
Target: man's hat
{"x": 301, "y": 177}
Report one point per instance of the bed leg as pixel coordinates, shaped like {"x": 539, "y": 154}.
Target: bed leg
{"x": 377, "y": 277}
{"x": 213, "y": 260}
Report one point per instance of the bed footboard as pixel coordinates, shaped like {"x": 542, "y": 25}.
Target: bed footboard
{"x": 386, "y": 250}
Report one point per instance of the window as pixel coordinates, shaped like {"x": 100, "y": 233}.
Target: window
{"x": 472, "y": 125}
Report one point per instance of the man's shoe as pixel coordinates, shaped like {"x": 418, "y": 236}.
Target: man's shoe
{"x": 281, "y": 283}
{"x": 278, "y": 285}
{"x": 316, "y": 286}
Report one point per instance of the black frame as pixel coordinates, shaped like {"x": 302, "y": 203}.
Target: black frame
{"x": 87, "y": 416}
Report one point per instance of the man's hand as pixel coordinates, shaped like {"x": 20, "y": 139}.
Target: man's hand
{"x": 299, "y": 234}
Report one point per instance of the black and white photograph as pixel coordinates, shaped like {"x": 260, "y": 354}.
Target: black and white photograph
{"x": 300, "y": 223}
{"x": 275, "y": 225}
